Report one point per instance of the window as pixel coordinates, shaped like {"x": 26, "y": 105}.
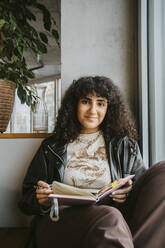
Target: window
{"x": 22, "y": 116}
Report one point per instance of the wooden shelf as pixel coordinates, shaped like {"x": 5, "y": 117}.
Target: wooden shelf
{"x": 23, "y": 135}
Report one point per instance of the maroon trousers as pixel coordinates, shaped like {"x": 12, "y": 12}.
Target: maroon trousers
{"x": 145, "y": 209}
{"x": 140, "y": 223}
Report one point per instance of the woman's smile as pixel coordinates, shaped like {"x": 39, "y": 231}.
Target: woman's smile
{"x": 91, "y": 117}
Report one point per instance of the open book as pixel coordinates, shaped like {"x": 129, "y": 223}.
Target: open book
{"x": 70, "y": 195}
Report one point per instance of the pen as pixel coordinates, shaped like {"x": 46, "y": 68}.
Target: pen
{"x": 40, "y": 187}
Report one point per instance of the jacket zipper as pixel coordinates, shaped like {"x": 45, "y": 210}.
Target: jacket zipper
{"x": 119, "y": 143}
{"x": 110, "y": 168}
{"x": 56, "y": 154}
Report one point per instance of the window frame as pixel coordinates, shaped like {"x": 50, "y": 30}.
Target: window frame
{"x": 57, "y": 102}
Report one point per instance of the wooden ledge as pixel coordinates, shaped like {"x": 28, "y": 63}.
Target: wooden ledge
{"x": 23, "y": 135}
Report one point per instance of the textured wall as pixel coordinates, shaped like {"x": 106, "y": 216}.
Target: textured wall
{"x": 15, "y": 156}
{"x": 99, "y": 38}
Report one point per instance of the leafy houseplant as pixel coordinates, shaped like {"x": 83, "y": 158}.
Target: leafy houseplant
{"x": 17, "y": 36}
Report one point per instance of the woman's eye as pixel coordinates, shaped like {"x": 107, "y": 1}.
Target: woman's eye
{"x": 100, "y": 104}
{"x": 84, "y": 101}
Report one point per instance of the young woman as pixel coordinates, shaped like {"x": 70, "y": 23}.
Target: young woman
{"x": 93, "y": 144}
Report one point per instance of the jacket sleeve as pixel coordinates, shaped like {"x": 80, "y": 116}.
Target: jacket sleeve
{"x": 138, "y": 167}
{"x": 129, "y": 158}
{"x": 134, "y": 164}
{"x": 36, "y": 171}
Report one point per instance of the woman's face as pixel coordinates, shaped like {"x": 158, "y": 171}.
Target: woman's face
{"x": 91, "y": 112}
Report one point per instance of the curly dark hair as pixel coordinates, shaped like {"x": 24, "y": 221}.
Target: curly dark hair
{"x": 118, "y": 120}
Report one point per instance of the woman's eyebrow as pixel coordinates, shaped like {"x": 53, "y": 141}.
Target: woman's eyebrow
{"x": 87, "y": 98}
{"x": 101, "y": 100}
{"x": 98, "y": 100}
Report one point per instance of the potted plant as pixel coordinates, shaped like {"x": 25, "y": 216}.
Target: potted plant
{"x": 17, "y": 36}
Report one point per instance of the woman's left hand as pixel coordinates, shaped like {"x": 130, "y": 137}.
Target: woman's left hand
{"x": 121, "y": 194}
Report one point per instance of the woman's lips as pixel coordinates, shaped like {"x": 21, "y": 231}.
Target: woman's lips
{"x": 91, "y": 118}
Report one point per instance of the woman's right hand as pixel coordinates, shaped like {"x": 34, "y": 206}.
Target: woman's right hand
{"x": 42, "y": 193}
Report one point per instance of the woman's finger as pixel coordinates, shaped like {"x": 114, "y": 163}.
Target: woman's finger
{"x": 122, "y": 191}
{"x": 44, "y": 191}
{"x": 119, "y": 200}
{"x": 41, "y": 196}
{"x": 127, "y": 184}
{"x": 43, "y": 184}
{"x": 123, "y": 196}
{"x": 43, "y": 199}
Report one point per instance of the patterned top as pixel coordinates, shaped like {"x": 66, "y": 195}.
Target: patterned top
{"x": 87, "y": 163}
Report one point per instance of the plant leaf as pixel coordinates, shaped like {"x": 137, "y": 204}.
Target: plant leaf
{"x": 55, "y": 34}
{"x": 38, "y": 57}
{"x": 28, "y": 100}
{"x": 29, "y": 14}
{"x": 21, "y": 94}
{"x": 43, "y": 37}
{"x": 2, "y": 23}
{"x": 41, "y": 47}
{"x": 28, "y": 73}
{"x": 46, "y": 16}
{"x": 13, "y": 24}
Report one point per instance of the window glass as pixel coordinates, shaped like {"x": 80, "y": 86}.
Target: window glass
{"x": 22, "y": 117}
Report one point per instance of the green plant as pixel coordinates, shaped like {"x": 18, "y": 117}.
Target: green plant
{"x": 17, "y": 36}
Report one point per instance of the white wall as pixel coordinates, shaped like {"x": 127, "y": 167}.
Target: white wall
{"x": 99, "y": 38}
{"x": 15, "y": 156}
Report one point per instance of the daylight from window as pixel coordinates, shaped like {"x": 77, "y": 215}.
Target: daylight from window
{"x": 22, "y": 120}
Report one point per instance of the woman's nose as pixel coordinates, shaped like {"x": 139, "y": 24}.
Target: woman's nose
{"x": 93, "y": 108}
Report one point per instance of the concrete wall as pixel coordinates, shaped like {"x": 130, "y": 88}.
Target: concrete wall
{"x": 98, "y": 38}
{"x": 15, "y": 156}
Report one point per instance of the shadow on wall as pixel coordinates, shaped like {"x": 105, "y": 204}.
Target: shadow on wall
{"x": 9, "y": 201}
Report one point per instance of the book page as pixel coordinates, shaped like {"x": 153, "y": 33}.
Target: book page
{"x": 68, "y": 190}
{"x": 64, "y": 189}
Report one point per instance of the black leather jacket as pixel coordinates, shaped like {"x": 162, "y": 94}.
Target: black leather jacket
{"x": 49, "y": 163}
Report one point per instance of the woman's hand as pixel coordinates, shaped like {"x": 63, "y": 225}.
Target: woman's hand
{"x": 121, "y": 194}
{"x": 42, "y": 193}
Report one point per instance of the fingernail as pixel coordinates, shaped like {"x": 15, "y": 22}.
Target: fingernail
{"x": 48, "y": 190}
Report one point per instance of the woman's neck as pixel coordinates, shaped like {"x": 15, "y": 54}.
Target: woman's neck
{"x": 88, "y": 131}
